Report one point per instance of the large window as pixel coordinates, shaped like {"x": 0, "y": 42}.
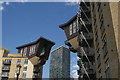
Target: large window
{"x": 26, "y": 61}
{"x": 70, "y": 29}
{"x": 32, "y": 50}
{"x": 74, "y": 27}
{"x": 21, "y": 50}
{"x": 25, "y": 68}
{"x": 18, "y": 61}
{"x": 107, "y": 72}
{"x": 25, "y": 51}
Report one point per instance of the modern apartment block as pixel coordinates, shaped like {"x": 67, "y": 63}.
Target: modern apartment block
{"x": 60, "y": 63}
{"x": 106, "y": 31}
{"x": 27, "y": 63}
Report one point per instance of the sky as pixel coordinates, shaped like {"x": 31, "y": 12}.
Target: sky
{"x": 25, "y": 22}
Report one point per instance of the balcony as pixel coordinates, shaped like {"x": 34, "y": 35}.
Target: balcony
{"x": 83, "y": 28}
{"x": 6, "y": 68}
{"x": 86, "y": 43}
{"x": 85, "y": 14}
{"x": 91, "y": 73}
{"x": 82, "y": 4}
{"x": 5, "y": 75}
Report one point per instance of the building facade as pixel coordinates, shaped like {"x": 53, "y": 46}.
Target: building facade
{"x": 60, "y": 63}
{"x": 27, "y": 63}
{"x": 8, "y": 65}
{"x": 106, "y": 30}
{"x": 79, "y": 35}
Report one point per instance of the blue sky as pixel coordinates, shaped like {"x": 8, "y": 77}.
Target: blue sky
{"x": 25, "y": 22}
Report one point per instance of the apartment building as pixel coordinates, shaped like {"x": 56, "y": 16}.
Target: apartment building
{"x": 106, "y": 30}
{"x": 9, "y": 67}
{"x": 60, "y": 63}
{"x": 78, "y": 31}
{"x": 27, "y": 63}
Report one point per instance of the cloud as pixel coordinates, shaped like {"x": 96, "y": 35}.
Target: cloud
{"x": 76, "y": 67}
{"x": 75, "y": 74}
{"x": 71, "y": 2}
{"x": 1, "y": 8}
{"x": 7, "y": 3}
{"x": 78, "y": 58}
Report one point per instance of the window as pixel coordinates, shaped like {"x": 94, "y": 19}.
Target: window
{"x": 24, "y": 75}
{"x": 74, "y": 27}
{"x": 100, "y": 75}
{"x": 77, "y": 24}
{"x": 107, "y": 72}
{"x": 70, "y": 29}
{"x": 104, "y": 45}
{"x": 99, "y": 8}
{"x": 25, "y": 51}
{"x": 7, "y": 60}
{"x": 98, "y": 52}
{"x": 26, "y": 61}
{"x": 18, "y": 61}
{"x": 99, "y": 60}
{"x": 25, "y": 68}
{"x": 32, "y": 50}
{"x": 96, "y": 40}
{"x": 21, "y": 50}
{"x": 42, "y": 52}
{"x": 102, "y": 28}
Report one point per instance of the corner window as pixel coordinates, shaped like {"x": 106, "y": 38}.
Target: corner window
{"x": 42, "y": 52}
{"x": 70, "y": 29}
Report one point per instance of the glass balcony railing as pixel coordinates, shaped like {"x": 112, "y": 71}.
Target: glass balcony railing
{"x": 5, "y": 75}
{"x": 6, "y": 68}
